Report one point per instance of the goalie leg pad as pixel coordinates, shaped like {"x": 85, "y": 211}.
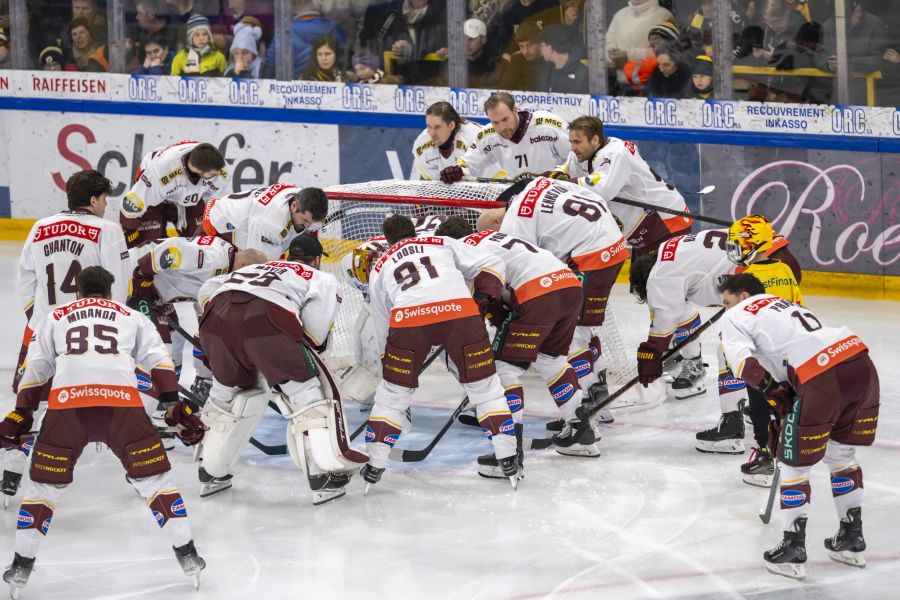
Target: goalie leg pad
{"x": 230, "y": 426}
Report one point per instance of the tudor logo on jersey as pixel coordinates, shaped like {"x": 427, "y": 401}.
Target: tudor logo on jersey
{"x": 667, "y": 252}
{"x": 272, "y": 192}
{"x": 67, "y": 228}
{"x": 526, "y": 207}
{"x": 295, "y": 267}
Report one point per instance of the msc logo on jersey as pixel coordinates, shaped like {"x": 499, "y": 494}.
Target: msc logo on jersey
{"x": 170, "y": 259}
{"x": 841, "y": 485}
{"x": 792, "y": 498}
{"x": 169, "y": 177}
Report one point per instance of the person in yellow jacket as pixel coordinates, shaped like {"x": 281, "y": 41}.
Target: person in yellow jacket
{"x": 199, "y": 57}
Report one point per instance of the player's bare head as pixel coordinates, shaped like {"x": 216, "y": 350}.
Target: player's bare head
{"x": 640, "y": 274}
{"x": 94, "y": 282}
{"x": 740, "y": 287}
{"x": 585, "y": 136}
{"x": 501, "y": 110}
{"x": 456, "y": 227}
{"x": 88, "y": 189}
{"x": 250, "y": 256}
{"x": 492, "y": 218}
{"x": 441, "y": 121}
{"x": 398, "y": 227}
{"x": 308, "y": 206}
{"x": 206, "y": 161}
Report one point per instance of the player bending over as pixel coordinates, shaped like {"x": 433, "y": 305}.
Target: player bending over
{"x": 258, "y": 322}
{"x": 825, "y": 388}
{"x": 90, "y": 348}
{"x": 419, "y": 299}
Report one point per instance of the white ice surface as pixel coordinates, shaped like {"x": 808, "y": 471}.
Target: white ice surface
{"x": 651, "y": 518}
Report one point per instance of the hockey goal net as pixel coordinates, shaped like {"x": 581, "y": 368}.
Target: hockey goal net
{"x": 356, "y": 213}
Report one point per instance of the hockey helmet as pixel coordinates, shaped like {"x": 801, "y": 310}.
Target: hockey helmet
{"x": 747, "y": 237}
{"x": 363, "y": 258}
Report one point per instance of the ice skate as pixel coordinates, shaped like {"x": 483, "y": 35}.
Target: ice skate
{"x": 847, "y": 545}
{"x": 759, "y": 468}
{"x": 17, "y": 574}
{"x": 577, "y": 438}
{"x": 510, "y": 468}
{"x": 9, "y": 485}
{"x": 727, "y": 437}
{"x": 672, "y": 367}
{"x": 789, "y": 556}
{"x": 371, "y": 475}
{"x": 200, "y": 388}
{"x": 690, "y": 380}
{"x": 210, "y": 485}
{"x": 489, "y": 466}
{"x": 190, "y": 562}
{"x": 328, "y": 486}
{"x": 597, "y": 394}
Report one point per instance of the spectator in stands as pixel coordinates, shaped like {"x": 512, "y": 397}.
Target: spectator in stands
{"x": 158, "y": 56}
{"x": 637, "y": 72}
{"x": 866, "y": 40}
{"x": 366, "y": 68}
{"x": 524, "y": 70}
{"x": 517, "y": 13}
{"x": 4, "y": 49}
{"x": 96, "y": 19}
{"x": 199, "y": 57}
{"x": 307, "y": 26}
{"x": 83, "y": 44}
{"x": 236, "y": 11}
{"x": 485, "y": 9}
{"x": 702, "y": 77}
{"x": 245, "y": 61}
{"x": 629, "y": 29}
{"x": 483, "y": 70}
{"x": 700, "y": 28}
{"x": 52, "y": 58}
{"x": 889, "y": 86}
{"x": 348, "y": 14}
{"x": 672, "y": 76}
{"x": 323, "y": 65}
{"x": 565, "y": 74}
{"x": 151, "y": 21}
{"x": 778, "y": 47}
{"x": 576, "y": 26}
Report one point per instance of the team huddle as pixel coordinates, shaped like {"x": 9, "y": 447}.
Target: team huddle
{"x": 104, "y": 343}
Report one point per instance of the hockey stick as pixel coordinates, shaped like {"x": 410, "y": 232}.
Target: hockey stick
{"x": 766, "y": 514}
{"x": 420, "y": 455}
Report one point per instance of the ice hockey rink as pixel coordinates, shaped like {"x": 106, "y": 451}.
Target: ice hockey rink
{"x": 650, "y": 518}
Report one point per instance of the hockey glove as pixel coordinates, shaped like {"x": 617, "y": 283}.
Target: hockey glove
{"x": 780, "y": 396}
{"x": 649, "y": 363}
{"x": 16, "y": 424}
{"x": 496, "y": 313}
{"x": 142, "y": 287}
{"x": 190, "y": 429}
{"x": 555, "y": 175}
{"x": 452, "y": 174}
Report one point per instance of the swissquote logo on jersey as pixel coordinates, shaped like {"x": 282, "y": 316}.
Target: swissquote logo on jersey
{"x": 273, "y": 191}
{"x": 434, "y": 312}
{"x": 668, "y": 250}
{"x": 526, "y": 206}
{"x": 835, "y": 353}
{"x": 67, "y": 228}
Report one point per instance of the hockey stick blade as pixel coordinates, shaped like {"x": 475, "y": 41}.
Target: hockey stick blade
{"x": 766, "y": 515}
{"x": 269, "y": 450}
{"x": 419, "y": 455}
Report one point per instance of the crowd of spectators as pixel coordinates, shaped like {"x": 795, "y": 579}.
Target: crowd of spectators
{"x": 655, "y": 48}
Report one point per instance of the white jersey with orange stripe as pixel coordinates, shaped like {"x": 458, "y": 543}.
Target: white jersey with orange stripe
{"x": 618, "y": 169}
{"x": 165, "y": 177}
{"x": 310, "y": 294}
{"x": 530, "y": 271}
{"x": 58, "y": 248}
{"x": 422, "y": 280}
{"x": 429, "y": 159}
{"x": 573, "y": 224}
{"x": 91, "y": 347}
{"x": 783, "y": 335}
{"x": 180, "y": 266}
{"x": 688, "y": 270}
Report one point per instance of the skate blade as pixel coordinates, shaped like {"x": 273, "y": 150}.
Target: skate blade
{"x": 213, "y": 488}
{"x": 791, "y": 570}
{"x": 491, "y": 473}
{"x": 197, "y": 582}
{"x": 846, "y": 557}
{"x": 588, "y": 451}
{"x": 605, "y": 417}
{"x": 690, "y": 392}
{"x": 320, "y": 497}
{"x": 721, "y": 447}
{"x": 6, "y": 501}
{"x": 758, "y": 480}
{"x": 514, "y": 481}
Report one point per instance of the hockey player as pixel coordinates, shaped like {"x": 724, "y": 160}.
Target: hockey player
{"x": 259, "y": 322}
{"x": 266, "y": 218}
{"x": 172, "y": 186}
{"x": 516, "y": 142}
{"x": 535, "y": 324}
{"x": 90, "y": 348}
{"x": 56, "y": 250}
{"x": 419, "y": 299}
{"x": 614, "y": 168}
{"x": 446, "y": 137}
{"x": 576, "y": 226}
{"x": 824, "y": 385}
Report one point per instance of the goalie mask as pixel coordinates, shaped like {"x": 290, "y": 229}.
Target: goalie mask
{"x": 363, "y": 258}
{"x": 747, "y": 237}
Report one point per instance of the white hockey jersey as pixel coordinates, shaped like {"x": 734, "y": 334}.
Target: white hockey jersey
{"x": 687, "y": 273}
{"x": 420, "y": 281}
{"x": 782, "y": 335}
{"x": 530, "y": 271}
{"x": 180, "y": 266}
{"x": 259, "y": 218}
{"x": 91, "y": 347}
{"x": 573, "y": 224}
{"x": 164, "y": 177}
{"x": 58, "y": 248}
{"x": 308, "y": 293}
{"x": 618, "y": 169}
{"x": 429, "y": 160}
{"x": 540, "y": 143}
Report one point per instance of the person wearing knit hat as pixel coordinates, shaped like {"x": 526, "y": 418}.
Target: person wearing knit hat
{"x": 666, "y": 32}
{"x": 199, "y": 56}
{"x": 703, "y": 77}
{"x": 245, "y": 61}
{"x": 366, "y": 68}
{"x": 51, "y": 58}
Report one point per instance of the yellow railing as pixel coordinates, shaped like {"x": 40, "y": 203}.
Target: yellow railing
{"x": 869, "y": 77}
